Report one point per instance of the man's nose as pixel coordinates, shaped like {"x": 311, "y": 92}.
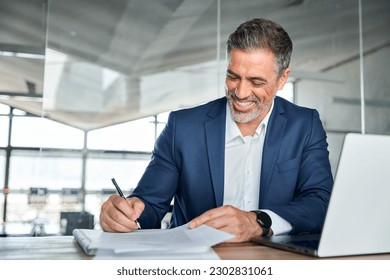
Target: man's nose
{"x": 242, "y": 90}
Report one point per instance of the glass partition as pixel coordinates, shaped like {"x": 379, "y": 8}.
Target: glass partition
{"x": 108, "y": 64}
{"x": 22, "y": 52}
{"x": 376, "y": 59}
{"x": 325, "y": 65}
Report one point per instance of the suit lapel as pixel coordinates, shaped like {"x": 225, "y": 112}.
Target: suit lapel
{"x": 215, "y": 139}
{"x": 272, "y": 143}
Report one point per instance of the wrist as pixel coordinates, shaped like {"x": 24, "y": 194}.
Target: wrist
{"x": 264, "y": 221}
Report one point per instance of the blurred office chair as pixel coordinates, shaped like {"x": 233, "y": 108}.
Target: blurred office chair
{"x": 37, "y": 198}
{"x": 71, "y": 217}
{"x": 71, "y": 199}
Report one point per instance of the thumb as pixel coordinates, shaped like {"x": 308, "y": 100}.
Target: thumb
{"x": 138, "y": 207}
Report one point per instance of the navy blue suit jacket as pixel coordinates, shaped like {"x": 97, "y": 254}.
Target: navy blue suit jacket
{"x": 188, "y": 164}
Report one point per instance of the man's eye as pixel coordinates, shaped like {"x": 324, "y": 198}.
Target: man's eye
{"x": 231, "y": 77}
{"x": 258, "y": 84}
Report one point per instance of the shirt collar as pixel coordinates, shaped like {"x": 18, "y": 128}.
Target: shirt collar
{"x": 232, "y": 130}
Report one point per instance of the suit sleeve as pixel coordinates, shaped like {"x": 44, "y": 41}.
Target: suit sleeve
{"x": 158, "y": 184}
{"x": 313, "y": 184}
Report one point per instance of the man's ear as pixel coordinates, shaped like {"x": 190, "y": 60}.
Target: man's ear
{"x": 283, "y": 79}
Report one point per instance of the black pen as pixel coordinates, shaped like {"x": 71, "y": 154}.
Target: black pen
{"x": 121, "y": 194}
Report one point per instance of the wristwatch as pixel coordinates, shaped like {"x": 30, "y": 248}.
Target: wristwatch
{"x": 264, "y": 221}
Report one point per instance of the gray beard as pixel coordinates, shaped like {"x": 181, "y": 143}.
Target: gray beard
{"x": 241, "y": 117}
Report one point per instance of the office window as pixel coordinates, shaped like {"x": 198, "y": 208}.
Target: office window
{"x": 130, "y": 136}
{"x": 4, "y": 109}
{"x": 44, "y": 169}
{"x": 162, "y": 120}
{"x": 44, "y": 133}
{"x": 127, "y": 170}
{"x": 287, "y": 92}
{"x": 2, "y": 166}
{"x": 17, "y": 112}
{"x": 3, "y": 131}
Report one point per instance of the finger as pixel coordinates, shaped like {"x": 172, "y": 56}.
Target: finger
{"x": 137, "y": 206}
{"x": 229, "y": 219}
{"x": 121, "y": 204}
{"x": 112, "y": 219}
{"x": 130, "y": 207}
{"x": 207, "y": 217}
{"x": 200, "y": 220}
{"x": 115, "y": 214}
{"x": 113, "y": 226}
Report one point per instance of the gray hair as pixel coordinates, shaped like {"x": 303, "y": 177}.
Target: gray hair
{"x": 261, "y": 33}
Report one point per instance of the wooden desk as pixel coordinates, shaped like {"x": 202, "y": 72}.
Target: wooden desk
{"x": 251, "y": 251}
{"x": 66, "y": 248}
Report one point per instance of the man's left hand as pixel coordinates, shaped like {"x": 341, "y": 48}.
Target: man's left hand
{"x": 230, "y": 219}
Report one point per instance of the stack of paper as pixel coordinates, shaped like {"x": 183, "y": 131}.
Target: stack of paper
{"x": 177, "y": 243}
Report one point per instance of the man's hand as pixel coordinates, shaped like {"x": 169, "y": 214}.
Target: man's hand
{"x": 118, "y": 214}
{"x": 232, "y": 220}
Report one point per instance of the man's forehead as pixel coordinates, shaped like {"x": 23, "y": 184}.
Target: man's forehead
{"x": 252, "y": 62}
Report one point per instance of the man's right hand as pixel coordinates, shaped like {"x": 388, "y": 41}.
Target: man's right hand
{"x": 118, "y": 214}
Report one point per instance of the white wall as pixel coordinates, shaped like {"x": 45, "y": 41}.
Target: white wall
{"x": 339, "y": 103}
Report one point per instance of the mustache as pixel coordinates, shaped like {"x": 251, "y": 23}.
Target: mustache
{"x": 251, "y": 98}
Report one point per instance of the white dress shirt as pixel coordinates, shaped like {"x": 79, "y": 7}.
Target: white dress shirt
{"x": 243, "y": 170}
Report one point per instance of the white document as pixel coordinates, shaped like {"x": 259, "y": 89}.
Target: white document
{"x": 179, "y": 239}
{"x": 177, "y": 243}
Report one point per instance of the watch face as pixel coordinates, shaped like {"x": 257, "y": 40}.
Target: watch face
{"x": 264, "y": 219}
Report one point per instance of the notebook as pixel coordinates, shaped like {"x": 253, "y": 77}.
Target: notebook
{"x": 84, "y": 238}
{"x": 358, "y": 218}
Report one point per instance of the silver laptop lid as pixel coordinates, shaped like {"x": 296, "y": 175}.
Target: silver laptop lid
{"x": 358, "y": 217}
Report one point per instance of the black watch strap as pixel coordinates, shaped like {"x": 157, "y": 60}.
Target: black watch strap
{"x": 265, "y": 231}
{"x": 264, "y": 221}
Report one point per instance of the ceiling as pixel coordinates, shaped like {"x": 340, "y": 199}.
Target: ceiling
{"x": 94, "y": 63}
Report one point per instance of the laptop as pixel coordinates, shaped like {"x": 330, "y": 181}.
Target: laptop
{"x": 358, "y": 218}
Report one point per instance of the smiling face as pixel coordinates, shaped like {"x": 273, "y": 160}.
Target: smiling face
{"x": 251, "y": 85}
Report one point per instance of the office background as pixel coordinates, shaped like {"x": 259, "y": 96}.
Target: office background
{"x": 86, "y": 87}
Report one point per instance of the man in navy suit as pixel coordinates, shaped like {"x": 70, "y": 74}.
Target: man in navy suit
{"x": 250, "y": 163}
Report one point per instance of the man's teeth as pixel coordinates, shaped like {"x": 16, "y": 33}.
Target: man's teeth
{"x": 244, "y": 104}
